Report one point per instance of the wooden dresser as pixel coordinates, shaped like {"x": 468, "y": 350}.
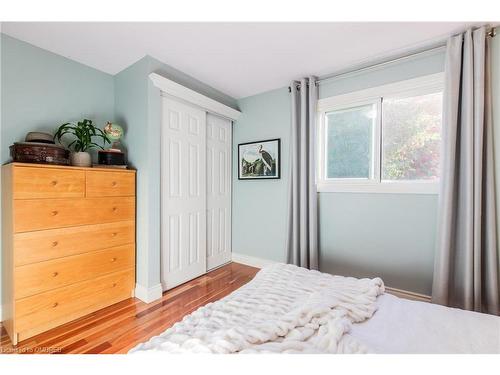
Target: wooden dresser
{"x": 68, "y": 244}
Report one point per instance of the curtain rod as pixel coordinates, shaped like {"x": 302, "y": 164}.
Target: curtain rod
{"x": 380, "y": 64}
{"x": 373, "y": 66}
{"x": 492, "y": 33}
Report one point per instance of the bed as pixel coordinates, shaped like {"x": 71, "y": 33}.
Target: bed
{"x": 288, "y": 309}
{"x": 403, "y": 326}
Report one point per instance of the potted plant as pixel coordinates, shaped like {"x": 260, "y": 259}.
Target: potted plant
{"x": 84, "y": 132}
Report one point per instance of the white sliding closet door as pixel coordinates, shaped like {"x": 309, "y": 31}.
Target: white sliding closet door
{"x": 183, "y": 184}
{"x": 218, "y": 191}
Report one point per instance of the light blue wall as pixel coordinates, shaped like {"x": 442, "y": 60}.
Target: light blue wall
{"x": 387, "y": 235}
{"x": 427, "y": 63}
{"x": 41, "y": 90}
{"x": 259, "y": 207}
{"x": 131, "y": 102}
{"x": 138, "y": 108}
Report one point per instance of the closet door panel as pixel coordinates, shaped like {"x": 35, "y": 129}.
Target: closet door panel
{"x": 183, "y": 193}
{"x": 218, "y": 191}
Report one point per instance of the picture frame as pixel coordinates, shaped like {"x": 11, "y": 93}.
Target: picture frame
{"x": 259, "y": 160}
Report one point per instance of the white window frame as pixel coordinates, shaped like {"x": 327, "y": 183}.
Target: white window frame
{"x": 412, "y": 87}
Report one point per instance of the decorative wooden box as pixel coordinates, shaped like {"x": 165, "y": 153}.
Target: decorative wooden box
{"x": 45, "y": 153}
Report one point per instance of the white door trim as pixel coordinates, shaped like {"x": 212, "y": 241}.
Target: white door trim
{"x": 173, "y": 88}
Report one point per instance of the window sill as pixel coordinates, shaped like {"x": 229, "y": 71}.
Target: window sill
{"x": 383, "y": 188}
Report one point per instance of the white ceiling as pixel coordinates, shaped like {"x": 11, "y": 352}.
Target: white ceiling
{"x": 239, "y": 59}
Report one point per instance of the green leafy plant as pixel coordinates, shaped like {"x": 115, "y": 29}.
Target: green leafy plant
{"x": 84, "y": 131}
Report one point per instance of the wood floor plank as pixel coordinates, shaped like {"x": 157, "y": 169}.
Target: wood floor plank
{"x": 75, "y": 331}
{"x": 120, "y": 327}
{"x": 99, "y": 348}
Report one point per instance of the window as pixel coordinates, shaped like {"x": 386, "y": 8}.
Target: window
{"x": 384, "y": 139}
{"x": 410, "y": 142}
{"x": 349, "y": 138}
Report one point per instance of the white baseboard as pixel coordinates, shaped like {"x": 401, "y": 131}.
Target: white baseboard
{"x": 407, "y": 294}
{"x": 259, "y": 263}
{"x": 148, "y": 295}
{"x": 251, "y": 261}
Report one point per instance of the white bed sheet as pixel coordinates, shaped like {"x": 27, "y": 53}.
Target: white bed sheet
{"x": 404, "y": 326}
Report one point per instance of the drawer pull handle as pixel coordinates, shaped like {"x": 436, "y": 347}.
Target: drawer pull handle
{"x": 54, "y": 183}
{"x": 54, "y": 213}
{"x": 113, "y": 234}
{"x": 55, "y": 305}
{"x": 114, "y": 209}
{"x": 55, "y": 274}
{"x": 113, "y": 260}
{"x": 55, "y": 243}
{"x": 113, "y": 183}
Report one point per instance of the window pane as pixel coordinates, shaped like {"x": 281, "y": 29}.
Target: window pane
{"x": 350, "y": 142}
{"x": 411, "y": 134}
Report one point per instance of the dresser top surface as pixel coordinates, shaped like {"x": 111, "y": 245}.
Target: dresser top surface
{"x": 52, "y": 166}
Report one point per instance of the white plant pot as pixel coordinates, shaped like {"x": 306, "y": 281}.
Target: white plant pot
{"x": 80, "y": 159}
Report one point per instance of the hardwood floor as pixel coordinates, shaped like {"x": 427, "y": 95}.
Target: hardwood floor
{"x": 118, "y": 328}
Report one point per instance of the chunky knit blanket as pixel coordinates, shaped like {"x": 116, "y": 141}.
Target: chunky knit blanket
{"x": 284, "y": 309}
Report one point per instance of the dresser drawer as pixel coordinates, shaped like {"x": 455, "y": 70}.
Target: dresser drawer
{"x": 44, "y": 311}
{"x": 31, "y": 183}
{"x": 30, "y": 214}
{"x": 110, "y": 184}
{"x": 32, "y": 247}
{"x": 40, "y": 277}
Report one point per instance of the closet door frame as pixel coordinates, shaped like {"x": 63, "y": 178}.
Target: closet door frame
{"x": 169, "y": 88}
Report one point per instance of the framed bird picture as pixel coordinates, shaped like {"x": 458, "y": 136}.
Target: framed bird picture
{"x": 259, "y": 160}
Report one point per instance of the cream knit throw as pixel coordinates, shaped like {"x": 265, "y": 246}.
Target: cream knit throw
{"x": 284, "y": 309}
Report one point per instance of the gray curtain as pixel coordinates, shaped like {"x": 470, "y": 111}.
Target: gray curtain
{"x": 302, "y": 237}
{"x": 466, "y": 264}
